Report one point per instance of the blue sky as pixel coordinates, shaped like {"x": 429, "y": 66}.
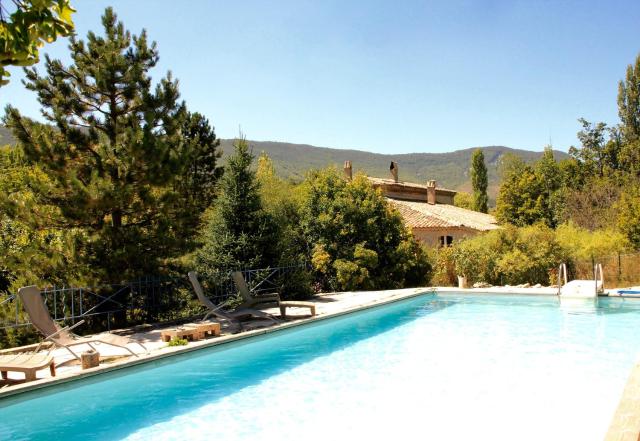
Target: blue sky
{"x": 382, "y": 76}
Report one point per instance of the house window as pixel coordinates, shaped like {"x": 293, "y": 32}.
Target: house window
{"x": 446, "y": 241}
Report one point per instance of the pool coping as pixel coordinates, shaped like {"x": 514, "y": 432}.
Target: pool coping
{"x": 32, "y": 386}
{"x": 625, "y": 424}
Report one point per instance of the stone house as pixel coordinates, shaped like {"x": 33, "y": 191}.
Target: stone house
{"x": 428, "y": 209}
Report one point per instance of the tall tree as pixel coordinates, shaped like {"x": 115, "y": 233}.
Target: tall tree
{"x": 113, "y": 148}
{"x": 201, "y": 170}
{"x": 479, "y": 182}
{"x": 599, "y": 154}
{"x": 520, "y": 201}
{"x": 629, "y": 101}
{"x": 239, "y": 233}
{"x": 531, "y": 193}
{"x": 629, "y": 112}
{"x": 26, "y": 26}
{"x": 549, "y": 174}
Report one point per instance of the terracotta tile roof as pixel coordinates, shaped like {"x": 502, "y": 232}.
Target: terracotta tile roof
{"x": 416, "y": 219}
{"x": 424, "y": 215}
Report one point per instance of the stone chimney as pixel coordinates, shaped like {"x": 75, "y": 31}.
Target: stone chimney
{"x": 393, "y": 168}
{"x": 431, "y": 192}
{"x": 348, "y": 170}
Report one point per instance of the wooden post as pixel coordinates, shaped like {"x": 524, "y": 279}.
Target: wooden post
{"x": 619, "y": 268}
{"x": 90, "y": 359}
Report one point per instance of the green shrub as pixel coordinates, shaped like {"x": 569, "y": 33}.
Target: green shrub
{"x": 356, "y": 239}
{"x": 444, "y": 273}
{"x": 582, "y": 244}
{"x": 296, "y": 285}
{"x": 510, "y": 256}
{"x": 177, "y": 342}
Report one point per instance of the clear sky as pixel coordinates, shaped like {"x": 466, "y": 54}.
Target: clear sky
{"x": 384, "y": 76}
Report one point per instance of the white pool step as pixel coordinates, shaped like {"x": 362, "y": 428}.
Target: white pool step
{"x": 581, "y": 289}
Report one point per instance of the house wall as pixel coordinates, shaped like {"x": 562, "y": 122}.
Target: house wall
{"x": 404, "y": 194}
{"x": 414, "y": 194}
{"x": 431, "y": 236}
{"x": 444, "y": 198}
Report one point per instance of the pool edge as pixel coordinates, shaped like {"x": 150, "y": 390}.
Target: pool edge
{"x": 625, "y": 424}
{"x": 15, "y": 391}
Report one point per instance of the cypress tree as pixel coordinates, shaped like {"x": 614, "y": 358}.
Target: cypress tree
{"x": 114, "y": 150}
{"x": 629, "y": 111}
{"x": 479, "y": 182}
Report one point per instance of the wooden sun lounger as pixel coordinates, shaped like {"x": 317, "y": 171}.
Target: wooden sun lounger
{"x": 250, "y": 300}
{"x": 217, "y": 311}
{"x": 268, "y": 299}
{"x": 27, "y": 363}
{"x": 33, "y": 304}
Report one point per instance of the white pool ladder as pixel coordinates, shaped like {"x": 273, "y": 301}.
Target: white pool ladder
{"x": 581, "y": 289}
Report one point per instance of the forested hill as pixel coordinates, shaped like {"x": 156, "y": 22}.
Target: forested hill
{"x": 451, "y": 170}
{"x": 5, "y": 136}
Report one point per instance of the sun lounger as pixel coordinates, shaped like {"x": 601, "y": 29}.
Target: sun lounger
{"x": 63, "y": 337}
{"x": 26, "y": 363}
{"x": 629, "y": 292}
{"x": 268, "y": 299}
{"x": 216, "y": 311}
{"x": 250, "y": 300}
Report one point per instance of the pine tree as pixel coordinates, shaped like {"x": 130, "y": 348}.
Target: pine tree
{"x": 479, "y": 182}
{"x": 114, "y": 150}
{"x": 239, "y": 233}
{"x": 201, "y": 172}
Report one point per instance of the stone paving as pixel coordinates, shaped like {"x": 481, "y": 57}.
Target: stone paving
{"x": 113, "y": 357}
{"x": 625, "y": 425}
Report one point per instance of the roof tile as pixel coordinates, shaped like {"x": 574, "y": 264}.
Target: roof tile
{"x": 424, "y": 215}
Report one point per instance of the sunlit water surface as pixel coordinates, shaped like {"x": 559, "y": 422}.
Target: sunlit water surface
{"x": 434, "y": 367}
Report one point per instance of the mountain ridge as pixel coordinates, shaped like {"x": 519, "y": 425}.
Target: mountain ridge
{"x": 450, "y": 169}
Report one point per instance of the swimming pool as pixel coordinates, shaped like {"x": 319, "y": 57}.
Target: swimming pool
{"x": 440, "y": 366}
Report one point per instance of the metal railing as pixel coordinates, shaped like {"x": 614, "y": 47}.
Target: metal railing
{"x": 562, "y": 277}
{"x": 146, "y": 300}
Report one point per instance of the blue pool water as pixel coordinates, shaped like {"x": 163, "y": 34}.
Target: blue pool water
{"x": 434, "y": 367}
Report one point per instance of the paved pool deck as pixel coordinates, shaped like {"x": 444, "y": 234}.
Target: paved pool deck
{"x": 624, "y": 427}
{"x": 114, "y": 358}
